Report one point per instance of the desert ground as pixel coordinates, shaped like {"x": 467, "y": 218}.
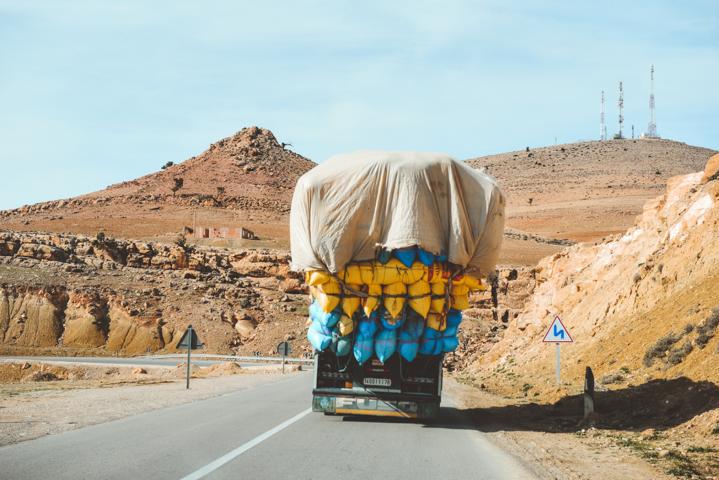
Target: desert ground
{"x": 617, "y": 237}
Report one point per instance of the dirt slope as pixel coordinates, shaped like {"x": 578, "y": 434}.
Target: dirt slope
{"x": 243, "y": 180}
{"x": 620, "y": 296}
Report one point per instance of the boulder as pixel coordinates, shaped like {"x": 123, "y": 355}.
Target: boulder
{"x": 245, "y": 328}
{"x": 711, "y": 172}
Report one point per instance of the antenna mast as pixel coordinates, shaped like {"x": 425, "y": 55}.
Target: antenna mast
{"x": 620, "y": 135}
{"x": 652, "y": 128}
{"x": 602, "y": 125}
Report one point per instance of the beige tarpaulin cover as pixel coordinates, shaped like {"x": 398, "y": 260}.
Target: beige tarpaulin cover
{"x": 348, "y": 206}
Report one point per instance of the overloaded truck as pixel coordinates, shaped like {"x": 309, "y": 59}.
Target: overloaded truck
{"x": 391, "y": 245}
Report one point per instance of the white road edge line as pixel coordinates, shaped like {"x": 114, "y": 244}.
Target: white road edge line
{"x": 211, "y": 467}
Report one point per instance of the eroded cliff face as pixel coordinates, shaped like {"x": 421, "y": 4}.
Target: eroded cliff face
{"x": 32, "y": 318}
{"x": 101, "y": 295}
{"x": 86, "y": 321}
{"x": 39, "y": 317}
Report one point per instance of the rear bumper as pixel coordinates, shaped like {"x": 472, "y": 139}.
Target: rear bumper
{"x": 366, "y": 403}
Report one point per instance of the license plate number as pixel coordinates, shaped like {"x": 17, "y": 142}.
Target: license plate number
{"x": 378, "y": 382}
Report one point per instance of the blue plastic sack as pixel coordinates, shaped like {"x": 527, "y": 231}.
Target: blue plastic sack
{"x": 431, "y": 342}
{"x": 449, "y": 343}
{"x": 384, "y": 256}
{"x": 367, "y": 327}
{"x": 319, "y": 336}
{"x": 442, "y": 258}
{"x": 342, "y": 346}
{"x": 454, "y": 318}
{"x": 425, "y": 257}
{"x": 385, "y": 344}
{"x": 387, "y": 325}
{"x": 406, "y": 255}
{"x": 409, "y": 338}
{"x": 363, "y": 348}
{"x": 329, "y": 320}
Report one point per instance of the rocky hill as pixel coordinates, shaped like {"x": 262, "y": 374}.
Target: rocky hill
{"x": 641, "y": 305}
{"x": 584, "y": 191}
{"x": 243, "y": 180}
{"x": 248, "y": 165}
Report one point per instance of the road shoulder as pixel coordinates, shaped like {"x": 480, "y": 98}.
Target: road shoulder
{"x": 52, "y": 408}
{"x": 549, "y": 452}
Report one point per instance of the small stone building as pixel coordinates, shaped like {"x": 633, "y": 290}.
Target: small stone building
{"x": 220, "y": 232}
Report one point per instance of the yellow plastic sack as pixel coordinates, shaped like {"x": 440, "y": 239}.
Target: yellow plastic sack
{"x": 460, "y": 301}
{"x": 470, "y": 281}
{"x": 352, "y": 274}
{"x": 394, "y": 298}
{"x": 314, "y": 278}
{"x": 460, "y": 289}
{"x": 367, "y": 272}
{"x": 438, "y": 298}
{"x": 387, "y": 274}
{"x": 328, "y": 295}
{"x": 437, "y": 321}
{"x": 345, "y": 326}
{"x": 413, "y": 274}
{"x": 473, "y": 282}
{"x": 419, "y": 297}
{"x": 371, "y": 302}
{"x": 435, "y": 274}
{"x": 350, "y": 302}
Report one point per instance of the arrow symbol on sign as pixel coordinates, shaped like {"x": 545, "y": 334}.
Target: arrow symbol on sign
{"x": 558, "y": 332}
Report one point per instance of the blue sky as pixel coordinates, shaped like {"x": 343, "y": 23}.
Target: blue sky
{"x": 96, "y": 92}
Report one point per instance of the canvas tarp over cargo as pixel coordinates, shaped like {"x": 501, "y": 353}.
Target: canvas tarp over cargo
{"x": 348, "y": 206}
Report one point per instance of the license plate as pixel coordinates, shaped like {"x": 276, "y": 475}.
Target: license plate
{"x": 378, "y": 382}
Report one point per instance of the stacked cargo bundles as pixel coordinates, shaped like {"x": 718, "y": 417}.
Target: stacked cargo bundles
{"x": 402, "y": 305}
{"x": 391, "y": 245}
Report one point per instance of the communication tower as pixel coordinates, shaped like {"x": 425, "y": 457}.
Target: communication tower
{"x": 602, "y": 125}
{"x": 620, "y": 135}
{"x": 652, "y": 128}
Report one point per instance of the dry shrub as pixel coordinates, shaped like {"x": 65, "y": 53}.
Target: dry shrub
{"x": 707, "y": 330}
{"x": 660, "y": 348}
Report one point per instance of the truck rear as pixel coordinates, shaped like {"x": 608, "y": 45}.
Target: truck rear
{"x": 394, "y": 388}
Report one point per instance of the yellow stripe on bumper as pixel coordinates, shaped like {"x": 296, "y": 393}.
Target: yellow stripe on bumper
{"x": 378, "y": 413}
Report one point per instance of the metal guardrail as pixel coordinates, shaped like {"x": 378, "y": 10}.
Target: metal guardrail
{"x": 235, "y": 358}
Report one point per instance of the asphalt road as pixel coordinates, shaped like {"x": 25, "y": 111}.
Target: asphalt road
{"x": 263, "y": 433}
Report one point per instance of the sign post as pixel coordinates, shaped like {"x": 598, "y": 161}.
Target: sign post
{"x": 284, "y": 349}
{"x": 558, "y": 334}
{"x": 190, "y": 340}
{"x": 189, "y": 350}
